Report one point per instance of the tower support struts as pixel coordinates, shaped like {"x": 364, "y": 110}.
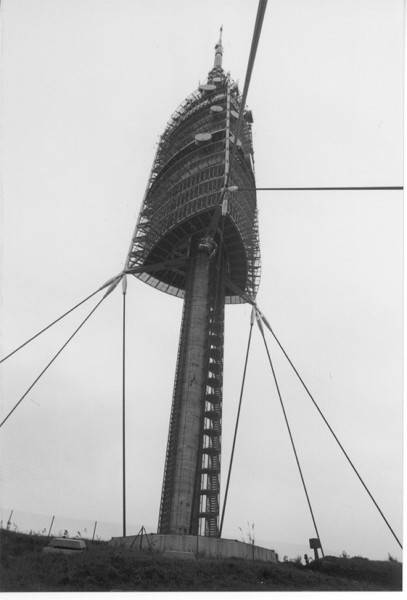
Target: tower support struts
{"x": 190, "y": 494}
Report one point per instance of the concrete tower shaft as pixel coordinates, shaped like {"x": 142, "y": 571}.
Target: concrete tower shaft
{"x": 190, "y": 503}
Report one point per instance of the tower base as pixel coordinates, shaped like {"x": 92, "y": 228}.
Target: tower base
{"x": 195, "y": 546}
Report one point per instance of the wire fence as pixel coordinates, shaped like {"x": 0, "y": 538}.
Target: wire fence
{"x": 59, "y": 525}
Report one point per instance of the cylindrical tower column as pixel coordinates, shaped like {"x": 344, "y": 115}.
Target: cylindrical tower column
{"x": 183, "y": 450}
{"x": 192, "y": 383}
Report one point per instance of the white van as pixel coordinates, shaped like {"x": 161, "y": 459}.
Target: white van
{"x": 65, "y": 545}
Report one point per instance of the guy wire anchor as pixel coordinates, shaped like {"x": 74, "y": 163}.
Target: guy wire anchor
{"x": 124, "y": 284}
{"x": 115, "y": 282}
{"x": 112, "y": 283}
{"x": 226, "y": 192}
{"x": 259, "y": 318}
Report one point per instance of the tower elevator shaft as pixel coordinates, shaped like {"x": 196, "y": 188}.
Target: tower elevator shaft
{"x": 190, "y": 493}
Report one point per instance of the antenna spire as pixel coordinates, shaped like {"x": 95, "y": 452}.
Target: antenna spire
{"x": 219, "y": 50}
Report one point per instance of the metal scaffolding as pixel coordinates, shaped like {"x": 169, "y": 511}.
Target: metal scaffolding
{"x": 186, "y": 183}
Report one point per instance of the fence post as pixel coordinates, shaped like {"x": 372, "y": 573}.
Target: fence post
{"x": 50, "y": 527}
{"x": 94, "y": 531}
{"x": 9, "y": 520}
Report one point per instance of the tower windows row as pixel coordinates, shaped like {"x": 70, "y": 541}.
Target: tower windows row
{"x": 202, "y": 175}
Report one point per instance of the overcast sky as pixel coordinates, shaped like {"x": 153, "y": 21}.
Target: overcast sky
{"x": 87, "y": 87}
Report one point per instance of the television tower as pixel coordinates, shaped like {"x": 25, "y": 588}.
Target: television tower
{"x": 195, "y": 236}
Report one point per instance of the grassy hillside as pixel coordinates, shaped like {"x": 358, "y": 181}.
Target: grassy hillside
{"x": 23, "y": 567}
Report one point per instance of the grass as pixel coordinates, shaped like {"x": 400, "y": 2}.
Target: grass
{"x": 23, "y": 567}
